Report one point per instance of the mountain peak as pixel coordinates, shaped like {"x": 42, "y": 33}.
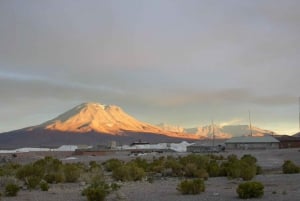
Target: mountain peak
{"x": 96, "y": 117}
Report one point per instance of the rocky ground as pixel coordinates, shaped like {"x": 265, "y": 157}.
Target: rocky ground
{"x": 278, "y": 187}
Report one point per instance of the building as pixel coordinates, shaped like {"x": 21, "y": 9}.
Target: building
{"x": 204, "y": 148}
{"x": 288, "y": 142}
{"x": 251, "y": 142}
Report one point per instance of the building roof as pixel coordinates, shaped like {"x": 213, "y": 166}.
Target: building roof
{"x": 252, "y": 139}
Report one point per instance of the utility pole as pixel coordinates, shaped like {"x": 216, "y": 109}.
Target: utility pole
{"x": 299, "y": 114}
{"x": 250, "y": 126}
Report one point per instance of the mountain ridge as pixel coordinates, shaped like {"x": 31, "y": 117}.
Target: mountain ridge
{"x": 226, "y": 131}
{"x": 95, "y": 123}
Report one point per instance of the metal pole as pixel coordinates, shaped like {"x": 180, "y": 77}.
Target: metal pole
{"x": 213, "y": 132}
{"x": 250, "y": 127}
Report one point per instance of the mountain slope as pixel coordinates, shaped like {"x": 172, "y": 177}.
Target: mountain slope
{"x": 95, "y": 117}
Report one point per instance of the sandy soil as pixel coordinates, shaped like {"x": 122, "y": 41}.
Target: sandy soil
{"x": 278, "y": 187}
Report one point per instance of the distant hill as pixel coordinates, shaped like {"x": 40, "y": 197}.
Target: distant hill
{"x": 227, "y": 131}
{"x": 297, "y": 134}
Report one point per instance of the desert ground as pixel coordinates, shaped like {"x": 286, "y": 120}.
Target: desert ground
{"x": 278, "y": 186}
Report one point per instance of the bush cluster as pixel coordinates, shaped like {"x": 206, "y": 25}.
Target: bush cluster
{"x": 11, "y": 190}
{"x": 244, "y": 168}
{"x": 128, "y": 172}
{"x": 289, "y": 167}
{"x": 195, "y": 186}
{"x": 250, "y": 190}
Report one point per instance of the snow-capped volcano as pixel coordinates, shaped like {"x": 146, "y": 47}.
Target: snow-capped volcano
{"x": 90, "y": 123}
{"x": 95, "y": 117}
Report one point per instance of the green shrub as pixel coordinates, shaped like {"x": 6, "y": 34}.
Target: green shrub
{"x": 31, "y": 174}
{"x": 250, "y": 190}
{"x": 289, "y": 167}
{"x": 9, "y": 169}
{"x": 32, "y": 181}
{"x": 112, "y": 164}
{"x": 30, "y": 170}
{"x": 157, "y": 165}
{"x": 96, "y": 192}
{"x": 200, "y": 160}
{"x": 190, "y": 170}
{"x": 202, "y": 173}
{"x": 44, "y": 186}
{"x": 141, "y": 163}
{"x": 213, "y": 168}
{"x": 11, "y": 190}
{"x": 128, "y": 172}
{"x": 115, "y": 186}
{"x": 244, "y": 168}
{"x": 248, "y": 171}
{"x": 251, "y": 160}
{"x": 195, "y": 186}
{"x": 175, "y": 166}
{"x": 93, "y": 175}
{"x": 54, "y": 177}
{"x": 71, "y": 172}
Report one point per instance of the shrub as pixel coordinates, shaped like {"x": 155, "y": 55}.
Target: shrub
{"x": 115, "y": 186}
{"x": 289, "y": 167}
{"x": 44, "y": 186}
{"x": 112, "y": 164}
{"x": 9, "y": 169}
{"x": 54, "y": 177}
{"x": 251, "y": 160}
{"x": 250, "y": 190}
{"x": 201, "y": 173}
{"x": 175, "y": 166}
{"x": 195, "y": 186}
{"x": 213, "y": 168}
{"x": 248, "y": 171}
{"x": 11, "y": 190}
{"x": 190, "y": 170}
{"x": 141, "y": 163}
{"x": 245, "y": 168}
{"x": 96, "y": 191}
{"x": 71, "y": 172}
{"x": 32, "y": 182}
{"x": 128, "y": 172}
{"x": 93, "y": 175}
{"x": 31, "y": 174}
{"x": 157, "y": 165}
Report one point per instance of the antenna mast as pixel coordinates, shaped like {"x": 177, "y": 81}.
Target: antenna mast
{"x": 213, "y": 132}
{"x": 250, "y": 126}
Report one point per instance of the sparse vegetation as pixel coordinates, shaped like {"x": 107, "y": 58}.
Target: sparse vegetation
{"x": 44, "y": 186}
{"x": 195, "y": 186}
{"x": 250, "y": 189}
{"x": 71, "y": 172}
{"x": 96, "y": 191}
{"x": 128, "y": 172}
{"x": 289, "y": 167}
{"x": 11, "y": 190}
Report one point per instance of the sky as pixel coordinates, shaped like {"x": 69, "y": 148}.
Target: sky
{"x": 180, "y": 62}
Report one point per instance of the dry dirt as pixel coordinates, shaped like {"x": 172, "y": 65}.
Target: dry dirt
{"x": 278, "y": 187}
